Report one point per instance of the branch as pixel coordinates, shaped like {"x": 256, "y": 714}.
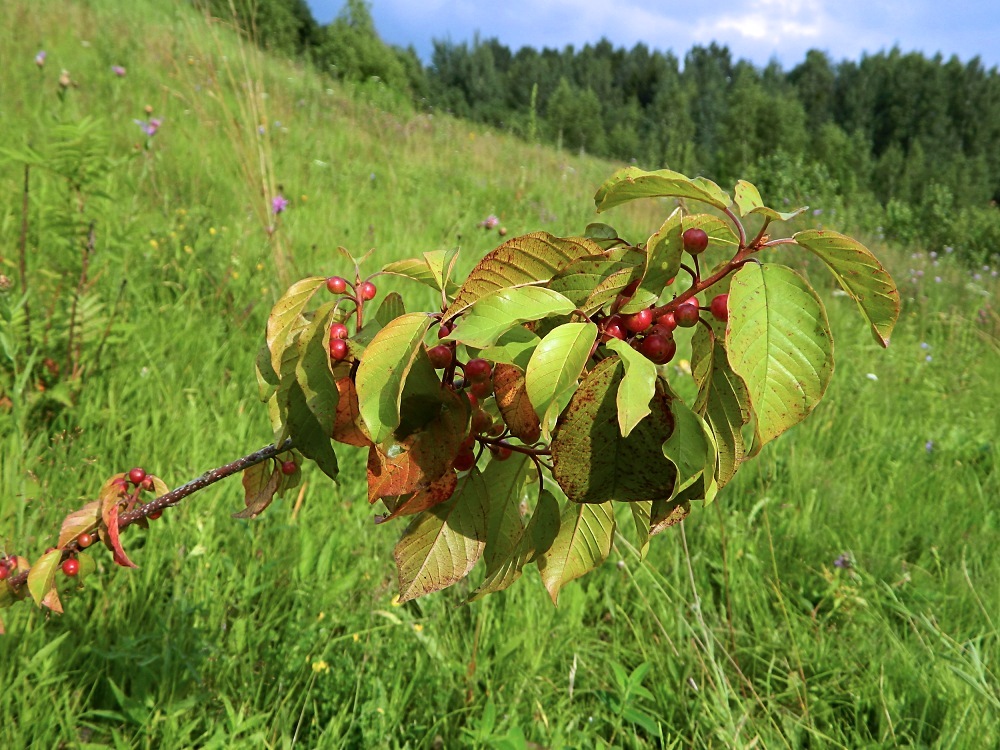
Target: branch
{"x": 175, "y": 496}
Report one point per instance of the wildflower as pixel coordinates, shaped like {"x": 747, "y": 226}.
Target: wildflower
{"x": 118, "y": 70}
{"x": 356, "y": 637}
{"x": 40, "y": 59}
{"x": 929, "y": 446}
{"x": 937, "y": 279}
{"x": 418, "y": 627}
{"x": 320, "y": 666}
{"x": 278, "y": 204}
{"x": 489, "y": 222}
{"x": 872, "y": 376}
{"x": 817, "y": 212}
{"x": 927, "y": 358}
{"x": 843, "y": 561}
{"x": 149, "y": 128}
{"x": 949, "y": 249}
{"x": 924, "y": 345}
{"x": 64, "y": 80}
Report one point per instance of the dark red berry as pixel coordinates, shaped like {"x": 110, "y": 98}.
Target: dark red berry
{"x": 614, "y": 331}
{"x": 137, "y": 475}
{"x": 658, "y": 349}
{"x": 84, "y": 540}
{"x": 667, "y": 320}
{"x": 289, "y": 467}
{"x": 481, "y": 422}
{"x": 720, "y": 307}
{"x": 440, "y": 356}
{"x": 367, "y": 290}
{"x": 336, "y": 285}
{"x": 147, "y": 483}
{"x": 4, "y": 571}
{"x": 478, "y": 369}
{"x": 473, "y": 401}
{"x": 71, "y": 566}
{"x": 338, "y": 350}
{"x": 338, "y": 331}
{"x": 661, "y": 330}
{"x": 444, "y": 330}
{"x": 155, "y": 515}
{"x": 465, "y": 460}
{"x": 481, "y": 388}
{"x": 502, "y": 453}
{"x": 687, "y": 315}
{"x": 695, "y": 240}
{"x": 640, "y": 321}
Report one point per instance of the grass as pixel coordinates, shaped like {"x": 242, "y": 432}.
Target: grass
{"x": 737, "y": 631}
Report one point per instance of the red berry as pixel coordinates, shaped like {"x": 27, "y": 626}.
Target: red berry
{"x": 473, "y": 401}
{"x": 481, "y": 388}
{"x": 338, "y": 350}
{"x": 465, "y": 460}
{"x": 71, "y": 566}
{"x": 289, "y": 467}
{"x": 695, "y": 240}
{"x": 336, "y": 285}
{"x": 481, "y": 422}
{"x": 440, "y": 356}
{"x": 4, "y": 571}
{"x": 667, "y": 320}
{"x": 338, "y": 331}
{"x": 84, "y": 540}
{"x": 640, "y": 321}
{"x": 661, "y": 330}
{"x": 687, "y": 315}
{"x": 155, "y": 515}
{"x": 720, "y": 307}
{"x": 367, "y": 290}
{"x": 478, "y": 369}
{"x": 614, "y": 331}
{"x": 658, "y": 349}
{"x": 137, "y": 475}
{"x": 147, "y": 483}
{"x": 444, "y": 330}
{"x": 502, "y": 453}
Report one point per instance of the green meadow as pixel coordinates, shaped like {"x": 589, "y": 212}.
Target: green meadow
{"x": 843, "y": 591}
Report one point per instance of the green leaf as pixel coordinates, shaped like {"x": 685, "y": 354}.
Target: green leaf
{"x": 505, "y": 482}
{"x": 779, "y": 343}
{"x": 514, "y": 347}
{"x": 42, "y": 575}
{"x": 582, "y": 543}
{"x": 311, "y": 439}
{"x": 417, "y": 269}
{"x": 722, "y": 401}
{"x": 534, "y": 540}
{"x": 746, "y": 197}
{"x": 598, "y": 231}
{"x": 592, "y": 463}
{"x": 640, "y": 517}
{"x": 313, "y": 372}
{"x": 285, "y": 316}
{"x": 496, "y": 313}
{"x": 389, "y": 309}
{"x": 637, "y": 387}
{"x": 861, "y": 276}
{"x": 382, "y": 374}
{"x": 689, "y": 447}
{"x": 554, "y": 368}
{"x": 629, "y": 267}
{"x": 579, "y": 280}
{"x": 632, "y": 183}
{"x": 443, "y": 544}
{"x": 664, "y": 250}
{"x": 522, "y": 261}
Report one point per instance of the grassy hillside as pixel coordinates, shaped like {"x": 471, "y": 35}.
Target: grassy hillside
{"x": 738, "y": 631}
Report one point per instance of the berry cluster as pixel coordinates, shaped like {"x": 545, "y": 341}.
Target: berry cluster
{"x": 360, "y": 294}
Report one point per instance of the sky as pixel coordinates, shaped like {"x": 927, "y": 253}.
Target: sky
{"x": 755, "y": 30}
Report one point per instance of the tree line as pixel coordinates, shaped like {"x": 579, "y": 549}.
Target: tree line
{"x": 917, "y": 134}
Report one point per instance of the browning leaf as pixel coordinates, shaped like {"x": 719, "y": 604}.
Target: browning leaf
{"x": 515, "y": 406}
{"x": 347, "y": 427}
{"x": 79, "y": 521}
{"x": 260, "y": 483}
{"x": 407, "y": 505}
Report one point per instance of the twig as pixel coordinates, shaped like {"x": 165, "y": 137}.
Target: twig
{"x": 22, "y": 249}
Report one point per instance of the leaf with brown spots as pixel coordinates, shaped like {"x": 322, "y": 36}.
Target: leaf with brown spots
{"x": 593, "y": 463}
{"x": 515, "y": 406}
{"x": 530, "y": 259}
{"x": 347, "y": 426}
{"x": 408, "y": 505}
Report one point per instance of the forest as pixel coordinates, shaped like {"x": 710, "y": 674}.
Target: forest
{"x": 919, "y": 135}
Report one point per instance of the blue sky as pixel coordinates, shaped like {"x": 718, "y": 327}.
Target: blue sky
{"x": 757, "y": 30}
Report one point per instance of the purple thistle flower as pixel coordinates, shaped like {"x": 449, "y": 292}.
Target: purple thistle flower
{"x": 843, "y": 561}
{"x": 278, "y": 204}
{"x": 40, "y": 59}
{"x": 118, "y": 70}
{"x": 489, "y": 222}
{"x": 149, "y": 128}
